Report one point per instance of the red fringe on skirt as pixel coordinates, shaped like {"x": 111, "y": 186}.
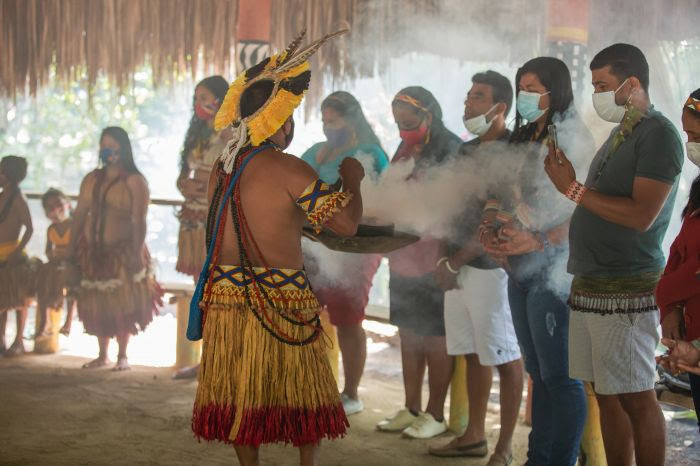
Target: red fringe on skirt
{"x": 297, "y": 426}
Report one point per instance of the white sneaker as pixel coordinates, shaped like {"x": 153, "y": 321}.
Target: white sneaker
{"x": 351, "y": 405}
{"x": 425, "y": 427}
{"x": 398, "y": 421}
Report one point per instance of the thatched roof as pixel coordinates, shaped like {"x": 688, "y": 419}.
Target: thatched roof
{"x": 115, "y": 37}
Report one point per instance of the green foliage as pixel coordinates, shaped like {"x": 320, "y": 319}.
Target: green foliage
{"x": 58, "y": 130}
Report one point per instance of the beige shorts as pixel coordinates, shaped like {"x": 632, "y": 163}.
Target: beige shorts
{"x": 477, "y": 317}
{"x": 615, "y": 351}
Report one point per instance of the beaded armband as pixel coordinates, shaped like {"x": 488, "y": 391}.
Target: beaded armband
{"x": 492, "y": 204}
{"x": 576, "y": 191}
{"x": 320, "y": 203}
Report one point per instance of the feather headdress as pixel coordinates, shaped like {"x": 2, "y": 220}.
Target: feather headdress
{"x": 289, "y": 72}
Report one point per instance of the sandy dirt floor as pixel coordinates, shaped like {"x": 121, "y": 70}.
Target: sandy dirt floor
{"x": 54, "y": 413}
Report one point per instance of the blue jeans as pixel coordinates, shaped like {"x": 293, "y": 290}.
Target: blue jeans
{"x": 695, "y": 390}
{"x": 541, "y": 321}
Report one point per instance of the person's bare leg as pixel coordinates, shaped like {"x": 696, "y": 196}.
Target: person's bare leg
{"x": 42, "y": 315}
{"x": 247, "y": 456}
{"x": 511, "y": 394}
{"x": 3, "y": 325}
{"x": 440, "y": 366}
{"x": 70, "y": 312}
{"x": 308, "y": 454}
{"x": 413, "y": 368}
{"x": 102, "y": 359}
{"x": 479, "y": 379}
{"x": 353, "y": 347}
{"x": 122, "y": 360}
{"x": 648, "y": 427}
{"x": 617, "y": 431}
{"x": 18, "y": 345}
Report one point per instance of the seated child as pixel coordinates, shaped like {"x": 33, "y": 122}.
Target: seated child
{"x": 56, "y": 276}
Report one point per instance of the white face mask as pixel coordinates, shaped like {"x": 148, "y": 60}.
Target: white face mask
{"x": 606, "y": 107}
{"x": 693, "y": 149}
{"x": 478, "y": 124}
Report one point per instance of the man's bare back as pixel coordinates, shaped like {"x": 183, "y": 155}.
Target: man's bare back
{"x": 270, "y": 185}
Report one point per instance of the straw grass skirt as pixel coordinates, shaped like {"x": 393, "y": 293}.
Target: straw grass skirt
{"x": 254, "y": 386}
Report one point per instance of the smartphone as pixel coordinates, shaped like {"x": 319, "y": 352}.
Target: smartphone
{"x": 552, "y": 133}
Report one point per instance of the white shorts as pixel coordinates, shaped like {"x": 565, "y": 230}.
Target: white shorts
{"x": 477, "y": 317}
{"x": 615, "y": 352}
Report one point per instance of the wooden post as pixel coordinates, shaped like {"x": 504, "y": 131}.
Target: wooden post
{"x": 332, "y": 351}
{"x": 187, "y": 352}
{"x": 592, "y": 448}
{"x": 459, "y": 402}
{"x": 48, "y": 344}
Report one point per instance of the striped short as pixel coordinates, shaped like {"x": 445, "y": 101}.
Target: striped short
{"x": 614, "y": 351}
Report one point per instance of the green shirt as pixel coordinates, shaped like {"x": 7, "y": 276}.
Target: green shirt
{"x": 602, "y": 248}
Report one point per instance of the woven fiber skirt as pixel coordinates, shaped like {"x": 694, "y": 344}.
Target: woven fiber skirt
{"x": 264, "y": 376}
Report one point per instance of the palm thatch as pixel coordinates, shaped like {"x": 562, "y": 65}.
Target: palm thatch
{"x": 76, "y": 38}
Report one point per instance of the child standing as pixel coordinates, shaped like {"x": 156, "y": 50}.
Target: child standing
{"x": 16, "y": 274}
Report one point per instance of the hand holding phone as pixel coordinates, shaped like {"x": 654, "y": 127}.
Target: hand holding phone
{"x": 552, "y": 133}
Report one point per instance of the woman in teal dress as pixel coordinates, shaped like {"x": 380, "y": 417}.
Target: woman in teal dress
{"x": 348, "y": 134}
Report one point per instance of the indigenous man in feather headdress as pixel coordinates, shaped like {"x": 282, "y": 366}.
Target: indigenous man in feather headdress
{"x": 264, "y": 376}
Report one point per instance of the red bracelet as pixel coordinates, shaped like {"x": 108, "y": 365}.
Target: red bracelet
{"x": 576, "y": 191}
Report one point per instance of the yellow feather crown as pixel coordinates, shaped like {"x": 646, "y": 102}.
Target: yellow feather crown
{"x": 289, "y": 71}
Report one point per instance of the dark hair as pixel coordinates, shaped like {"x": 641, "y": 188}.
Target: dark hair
{"x": 255, "y": 96}
{"x": 50, "y": 193}
{"x": 14, "y": 168}
{"x": 501, "y": 90}
{"x": 694, "y": 197}
{"x": 125, "y": 152}
{"x": 198, "y": 129}
{"x": 554, "y": 76}
{"x": 350, "y": 109}
{"x": 625, "y": 61}
{"x": 427, "y": 101}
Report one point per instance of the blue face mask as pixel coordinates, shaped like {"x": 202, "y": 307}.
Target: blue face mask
{"x": 108, "y": 155}
{"x": 528, "y": 105}
{"x": 337, "y": 137}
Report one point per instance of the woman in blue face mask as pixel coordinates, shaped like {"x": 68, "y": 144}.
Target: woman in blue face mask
{"x": 525, "y": 227}
{"x": 348, "y": 134}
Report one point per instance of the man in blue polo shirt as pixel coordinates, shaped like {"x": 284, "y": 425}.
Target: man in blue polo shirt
{"x": 615, "y": 238}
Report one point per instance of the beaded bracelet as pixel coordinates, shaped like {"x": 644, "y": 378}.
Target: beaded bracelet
{"x": 576, "y": 191}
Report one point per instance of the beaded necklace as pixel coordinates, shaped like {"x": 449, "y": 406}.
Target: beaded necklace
{"x": 632, "y": 118}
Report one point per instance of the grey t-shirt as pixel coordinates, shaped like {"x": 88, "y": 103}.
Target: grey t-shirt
{"x": 602, "y": 248}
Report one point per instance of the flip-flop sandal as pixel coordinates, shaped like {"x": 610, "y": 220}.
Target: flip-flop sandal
{"x": 498, "y": 459}
{"x": 475, "y": 450}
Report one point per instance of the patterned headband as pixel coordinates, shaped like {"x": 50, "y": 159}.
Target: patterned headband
{"x": 411, "y": 101}
{"x": 693, "y": 104}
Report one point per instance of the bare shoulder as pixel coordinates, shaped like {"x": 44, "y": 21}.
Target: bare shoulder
{"x": 137, "y": 183}
{"x": 89, "y": 181}
{"x": 295, "y": 169}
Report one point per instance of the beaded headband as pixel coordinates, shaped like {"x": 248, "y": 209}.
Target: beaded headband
{"x": 410, "y": 101}
{"x": 693, "y": 104}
